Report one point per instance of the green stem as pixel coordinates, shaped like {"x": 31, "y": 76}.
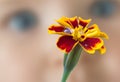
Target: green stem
{"x": 65, "y": 57}
{"x": 66, "y": 73}
{"x": 70, "y": 61}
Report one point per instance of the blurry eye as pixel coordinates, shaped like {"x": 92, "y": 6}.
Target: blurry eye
{"x": 23, "y": 20}
{"x": 102, "y": 8}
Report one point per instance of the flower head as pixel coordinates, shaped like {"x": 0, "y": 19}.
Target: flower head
{"x": 76, "y": 31}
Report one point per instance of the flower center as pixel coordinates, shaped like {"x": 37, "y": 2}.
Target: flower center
{"x": 78, "y": 34}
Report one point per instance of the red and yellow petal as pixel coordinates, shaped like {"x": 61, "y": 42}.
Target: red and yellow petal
{"x": 103, "y": 35}
{"x": 84, "y": 23}
{"x": 64, "y": 21}
{"x": 56, "y": 28}
{"x": 102, "y": 50}
{"x": 69, "y": 22}
{"x": 74, "y": 22}
{"x": 94, "y": 31}
{"x": 66, "y": 43}
{"x": 91, "y": 44}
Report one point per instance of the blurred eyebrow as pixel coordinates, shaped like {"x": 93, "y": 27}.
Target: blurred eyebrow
{"x": 7, "y": 2}
{"x": 9, "y": 7}
{"x": 18, "y": 2}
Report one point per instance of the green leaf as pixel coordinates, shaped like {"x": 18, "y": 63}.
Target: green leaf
{"x": 70, "y": 61}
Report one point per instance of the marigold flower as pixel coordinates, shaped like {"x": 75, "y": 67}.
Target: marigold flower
{"x": 75, "y": 31}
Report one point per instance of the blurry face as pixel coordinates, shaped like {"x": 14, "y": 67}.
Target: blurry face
{"x": 24, "y": 41}
{"x": 27, "y": 51}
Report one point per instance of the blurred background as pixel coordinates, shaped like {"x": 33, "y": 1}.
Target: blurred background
{"x": 29, "y": 54}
